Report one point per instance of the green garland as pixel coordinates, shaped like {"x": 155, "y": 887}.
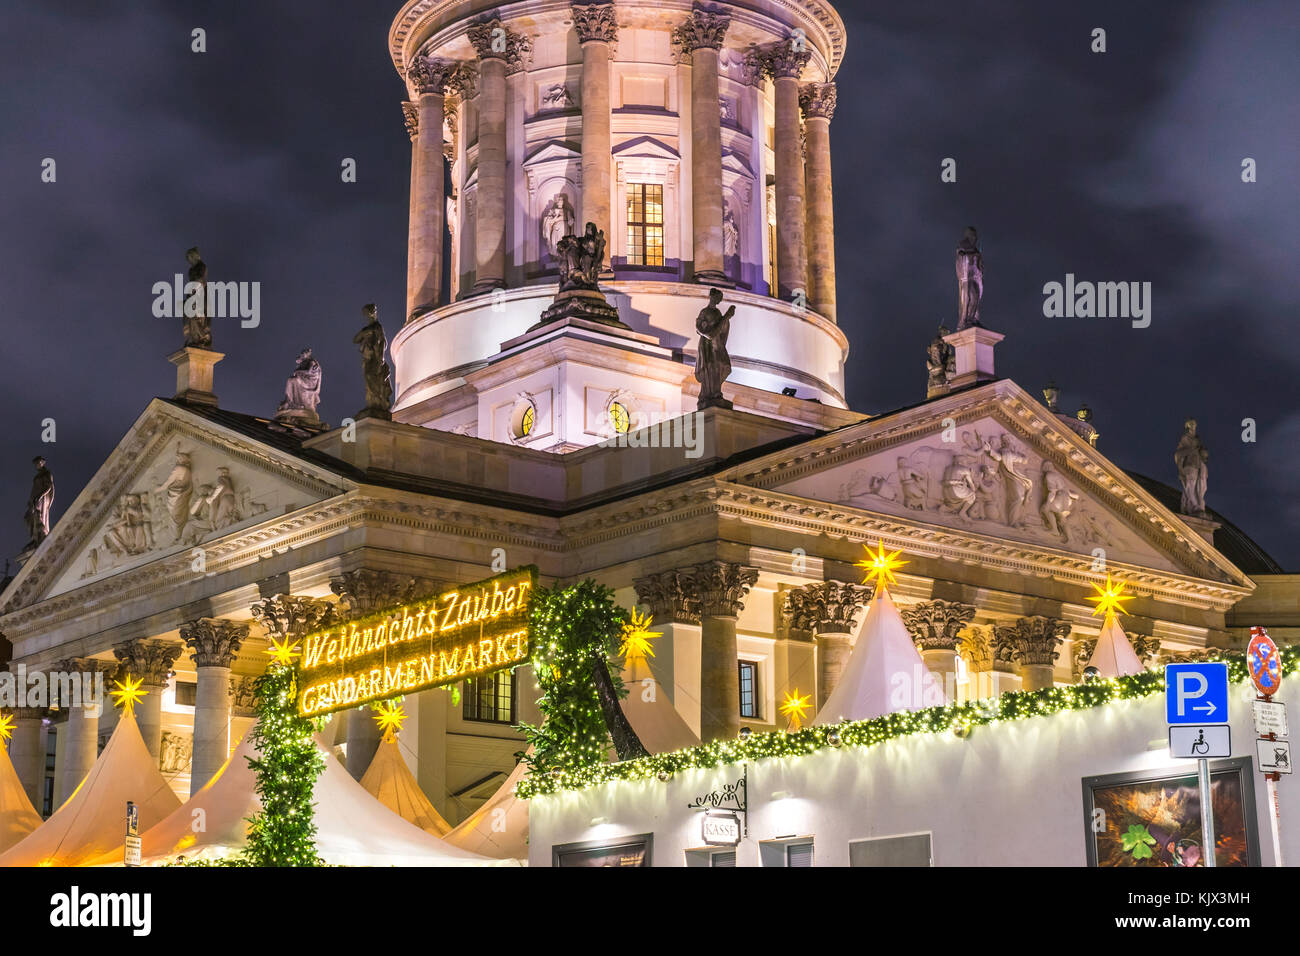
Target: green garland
{"x": 959, "y": 718}
{"x": 283, "y": 833}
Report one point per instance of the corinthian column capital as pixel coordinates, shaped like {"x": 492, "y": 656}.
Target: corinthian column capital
{"x": 786, "y": 60}
{"x": 492, "y": 40}
{"x": 818, "y": 100}
{"x": 150, "y": 661}
{"x": 670, "y": 596}
{"x": 411, "y": 115}
{"x": 934, "y": 624}
{"x": 595, "y": 22}
{"x": 829, "y": 607}
{"x": 701, "y": 30}
{"x": 722, "y": 586}
{"x": 428, "y": 74}
{"x": 214, "y": 642}
{"x": 291, "y": 616}
{"x": 364, "y": 591}
{"x": 1032, "y": 641}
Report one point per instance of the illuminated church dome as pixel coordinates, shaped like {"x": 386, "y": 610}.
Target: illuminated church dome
{"x": 695, "y": 137}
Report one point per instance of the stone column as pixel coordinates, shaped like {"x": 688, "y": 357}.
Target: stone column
{"x": 1033, "y": 644}
{"x": 26, "y": 753}
{"x": 701, "y": 36}
{"x": 785, "y": 63}
{"x": 670, "y": 598}
{"x": 597, "y": 29}
{"x": 818, "y": 103}
{"x": 427, "y": 77}
{"x": 721, "y": 588}
{"x": 151, "y": 662}
{"x": 213, "y": 644}
{"x": 363, "y": 592}
{"x": 934, "y": 626}
{"x": 829, "y": 610}
{"x": 81, "y": 735}
{"x": 498, "y": 50}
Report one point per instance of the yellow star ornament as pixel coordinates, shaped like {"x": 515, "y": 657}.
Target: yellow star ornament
{"x": 128, "y": 694}
{"x": 283, "y": 652}
{"x": 637, "y": 637}
{"x": 390, "y": 716}
{"x": 1109, "y": 598}
{"x": 6, "y": 726}
{"x": 795, "y": 708}
{"x": 880, "y": 566}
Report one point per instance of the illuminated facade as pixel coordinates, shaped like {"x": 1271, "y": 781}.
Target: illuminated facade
{"x": 680, "y": 131}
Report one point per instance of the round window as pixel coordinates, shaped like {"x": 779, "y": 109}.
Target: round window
{"x": 523, "y": 420}
{"x": 619, "y": 417}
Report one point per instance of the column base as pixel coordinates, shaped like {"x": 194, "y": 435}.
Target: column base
{"x": 484, "y": 287}
{"x": 194, "y": 374}
{"x": 714, "y": 278}
{"x": 588, "y": 304}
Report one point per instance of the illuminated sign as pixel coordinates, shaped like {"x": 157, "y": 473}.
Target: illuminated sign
{"x": 463, "y": 632}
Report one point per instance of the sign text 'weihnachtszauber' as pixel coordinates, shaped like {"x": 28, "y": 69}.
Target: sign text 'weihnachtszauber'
{"x": 463, "y": 632}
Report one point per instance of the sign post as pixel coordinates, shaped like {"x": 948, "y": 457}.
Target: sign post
{"x": 132, "y": 842}
{"x": 1197, "y": 695}
{"x": 1272, "y": 749}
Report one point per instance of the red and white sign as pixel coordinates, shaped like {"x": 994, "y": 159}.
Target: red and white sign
{"x": 1264, "y": 662}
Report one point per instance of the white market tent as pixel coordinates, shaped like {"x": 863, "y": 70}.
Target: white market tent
{"x": 352, "y": 827}
{"x": 389, "y": 780}
{"x": 17, "y": 815}
{"x": 499, "y": 828}
{"x": 1114, "y": 655}
{"x": 655, "y": 720}
{"x": 92, "y": 822}
{"x": 884, "y": 672}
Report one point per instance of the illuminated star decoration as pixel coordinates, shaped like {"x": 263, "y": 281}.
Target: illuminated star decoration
{"x": 128, "y": 694}
{"x": 796, "y": 707}
{"x": 390, "y": 716}
{"x": 880, "y": 566}
{"x": 283, "y": 652}
{"x": 1110, "y": 598}
{"x": 637, "y": 637}
{"x": 6, "y": 726}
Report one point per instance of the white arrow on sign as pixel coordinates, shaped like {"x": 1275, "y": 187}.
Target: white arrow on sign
{"x": 1208, "y": 708}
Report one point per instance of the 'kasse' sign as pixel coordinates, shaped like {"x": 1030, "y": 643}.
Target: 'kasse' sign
{"x": 463, "y": 632}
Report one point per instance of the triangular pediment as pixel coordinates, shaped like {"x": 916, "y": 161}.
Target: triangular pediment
{"x": 177, "y": 481}
{"x": 645, "y": 147}
{"x": 552, "y": 152}
{"x": 992, "y": 464}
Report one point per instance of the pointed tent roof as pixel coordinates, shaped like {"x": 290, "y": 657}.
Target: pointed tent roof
{"x": 389, "y": 780}
{"x": 882, "y": 671}
{"x": 17, "y": 815}
{"x": 1114, "y": 655}
{"x": 504, "y": 834}
{"x": 93, "y": 820}
{"x": 656, "y": 721}
{"x": 352, "y": 827}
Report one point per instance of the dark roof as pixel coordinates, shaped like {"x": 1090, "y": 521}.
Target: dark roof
{"x": 1231, "y": 541}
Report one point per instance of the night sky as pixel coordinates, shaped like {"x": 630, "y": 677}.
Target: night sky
{"x": 1122, "y": 166}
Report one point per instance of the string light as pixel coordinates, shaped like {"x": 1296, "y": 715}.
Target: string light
{"x": 950, "y": 718}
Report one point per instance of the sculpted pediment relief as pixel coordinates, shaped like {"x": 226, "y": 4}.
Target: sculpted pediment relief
{"x": 175, "y": 482}
{"x": 978, "y": 474}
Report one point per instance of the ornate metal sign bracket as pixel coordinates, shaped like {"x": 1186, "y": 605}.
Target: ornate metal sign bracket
{"x": 731, "y": 796}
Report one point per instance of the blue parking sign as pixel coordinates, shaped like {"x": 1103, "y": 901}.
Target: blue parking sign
{"x": 1196, "y": 693}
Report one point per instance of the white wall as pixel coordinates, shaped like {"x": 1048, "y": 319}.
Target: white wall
{"x": 1010, "y": 794}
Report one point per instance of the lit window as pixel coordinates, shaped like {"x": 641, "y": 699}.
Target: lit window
{"x": 523, "y": 420}
{"x": 489, "y": 698}
{"x": 749, "y": 690}
{"x": 645, "y": 224}
{"x": 619, "y": 417}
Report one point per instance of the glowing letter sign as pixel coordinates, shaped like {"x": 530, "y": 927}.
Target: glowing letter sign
{"x": 466, "y": 631}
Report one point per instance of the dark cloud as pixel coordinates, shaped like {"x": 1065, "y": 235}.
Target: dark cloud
{"x": 1122, "y": 166}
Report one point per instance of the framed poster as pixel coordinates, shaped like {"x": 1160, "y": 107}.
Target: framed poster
{"x": 1153, "y": 818}
{"x": 620, "y": 851}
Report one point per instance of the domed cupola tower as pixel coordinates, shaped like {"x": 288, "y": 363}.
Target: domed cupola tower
{"x": 694, "y": 136}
